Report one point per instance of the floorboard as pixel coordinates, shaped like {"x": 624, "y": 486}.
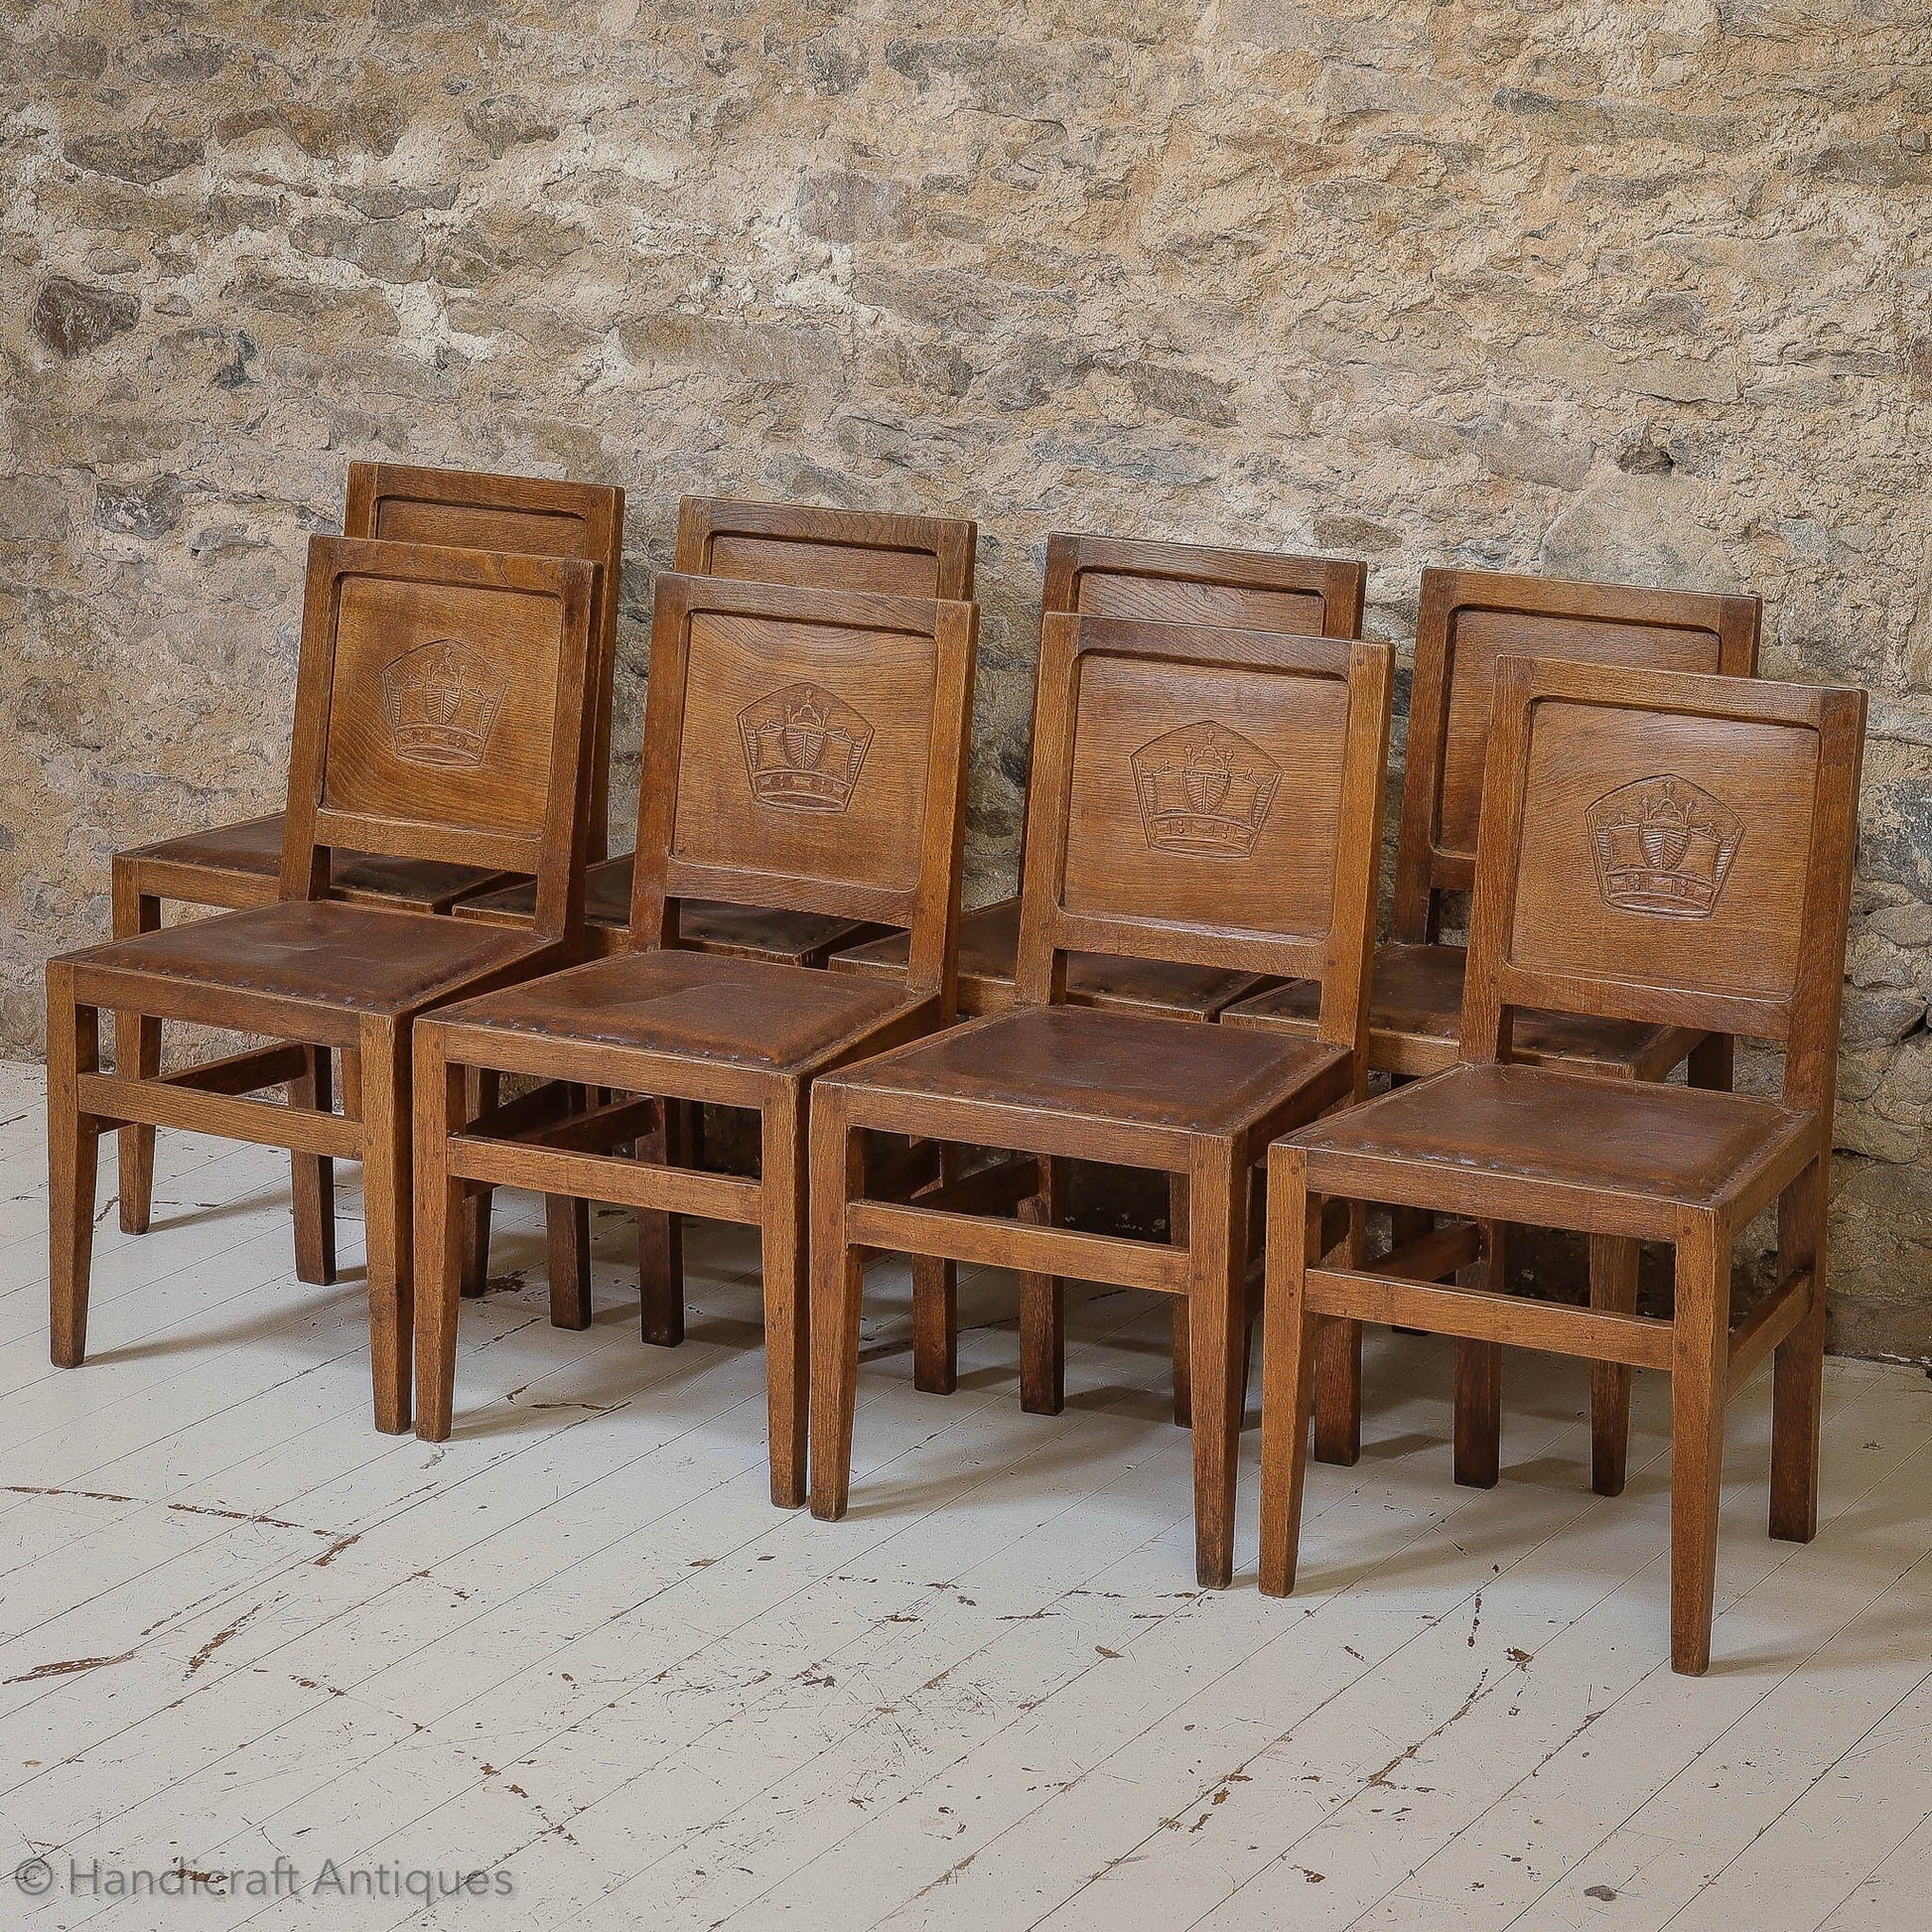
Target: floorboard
{"x": 576, "y": 1650}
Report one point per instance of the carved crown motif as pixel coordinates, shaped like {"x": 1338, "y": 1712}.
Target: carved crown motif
{"x": 1204, "y": 790}
{"x": 803, "y": 749}
{"x": 441, "y": 700}
{"x": 1663, "y": 844}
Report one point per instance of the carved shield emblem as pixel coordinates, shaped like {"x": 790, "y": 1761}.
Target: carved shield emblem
{"x": 441, "y": 700}
{"x": 1663, "y": 844}
{"x": 803, "y": 749}
{"x": 1204, "y": 790}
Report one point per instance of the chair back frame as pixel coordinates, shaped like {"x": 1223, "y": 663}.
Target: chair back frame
{"x": 1334, "y": 948}
{"x": 1661, "y": 869}
{"x": 1683, "y": 630}
{"x": 795, "y": 631}
{"x": 545, "y": 516}
{"x": 397, "y": 785}
{"x": 826, "y": 549}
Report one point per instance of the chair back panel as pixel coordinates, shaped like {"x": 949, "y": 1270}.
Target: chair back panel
{"x": 1696, "y": 840}
{"x": 1667, "y": 848}
{"x": 441, "y": 712}
{"x": 440, "y": 704}
{"x": 839, "y": 550}
{"x": 798, "y": 740}
{"x": 1180, "y": 814}
{"x": 536, "y": 515}
{"x": 1470, "y": 619}
{"x": 815, "y": 744}
{"x": 1182, "y": 583}
{"x": 1207, "y": 795}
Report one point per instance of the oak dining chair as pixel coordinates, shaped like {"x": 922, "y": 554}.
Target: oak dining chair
{"x": 443, "y": 714}
{"x": 1173, "y": 583}
{"x": 1204, "y": 794}
{"x": 1660, "y": 849}
{"x": 237, "y": 866}
{"x": 1467, "y": 621}
{"x": 776, "y": 543}
{"x": 810, "y": 747}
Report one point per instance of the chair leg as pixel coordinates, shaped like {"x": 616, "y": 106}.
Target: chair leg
{"x": 1338, "y": 1347}
{"x": 443, "y": 1095}
{"x": 935, "y": 1306}
{"x": 1798, "y": 1376}
{"x": 1480, "y": 1380}
{"x": 1699, "y": 1363}
{"x": 1338, "y": 1392}
{"x": 137, "y": 1051}
{"x": 387, "y": 1215}
{"x": 1613, "y": 1290}
{"x": 1409, "y": 1224}
{"x": 1184, "y": 1404}
{"x": 838, "y": 1175}
{"x": 72, "y": 1161}
{"x": 1043, "y": 1306}
{"x": 1287, "y": 1357}
{"x": 787, "y": 1289}
{"x": 660, "y": 1237}
{"x": 482, "y": 1089}
{"x": 567, "y": 1244}
{"x": 1217, "y": 1336}
{"x": 1710, "y": 1063}
{"x": 312, "y": 1180}
{"x": 1184, "y": 1399}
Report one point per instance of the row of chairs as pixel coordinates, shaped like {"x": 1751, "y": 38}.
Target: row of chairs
{"x": 1658, "y": 849}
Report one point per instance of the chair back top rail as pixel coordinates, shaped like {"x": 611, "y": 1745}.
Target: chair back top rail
{"x": 1667, "y": 848}
{"x": 474, "y": 509}
{"x": 1186, "y": 583}
{"x": 826, "y": 549}
{"x": 1465, "y": 622}
{"x": 1210, "y": 795}
{"x": 812, "y": 747}
{"x": 441, "y": 714}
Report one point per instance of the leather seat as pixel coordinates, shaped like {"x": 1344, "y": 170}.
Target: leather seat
{"x": 1100, "y": 1065}
{"x": 744, "y": 931}
{"x": 989, "y": 940}
{"x": 745, "y": 1012}
{"x": 1415, "y": 1003}
{"x": 1690, "y": 1144}
{"x": 253, "y": 849}
{"x": 354, "y": 958}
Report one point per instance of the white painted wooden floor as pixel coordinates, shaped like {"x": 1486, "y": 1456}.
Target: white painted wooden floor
{"x": 578, "y": 1650}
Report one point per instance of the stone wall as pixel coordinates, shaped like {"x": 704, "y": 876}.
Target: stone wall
{"x": 1609, "y": 290}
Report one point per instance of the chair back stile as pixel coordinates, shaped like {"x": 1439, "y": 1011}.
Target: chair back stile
{"x": 443, "y": 712}
{"x": 813, "y": 744}
{"x": 1667, "y": 848}
{"x": 1167, "y": 745}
